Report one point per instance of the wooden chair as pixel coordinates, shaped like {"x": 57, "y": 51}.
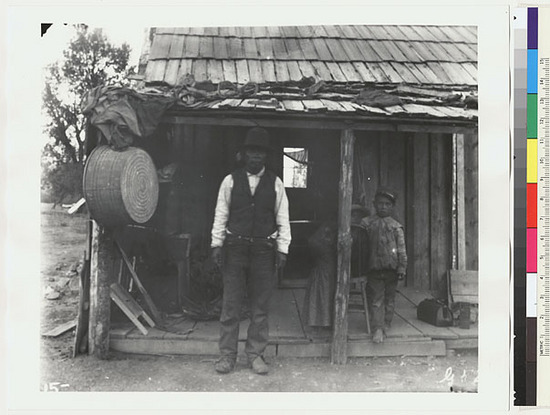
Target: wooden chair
{"x": 462, "y": 286}
{"x": 462, "y": 293}
{"x": 358, "y": 281}
{"x": 358, "y": 287}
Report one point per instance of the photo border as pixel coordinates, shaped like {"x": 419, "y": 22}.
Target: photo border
{"x": 24, "y": 88}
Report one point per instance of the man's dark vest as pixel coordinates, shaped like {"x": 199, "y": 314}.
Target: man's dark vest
{"x": 252, "y": 215}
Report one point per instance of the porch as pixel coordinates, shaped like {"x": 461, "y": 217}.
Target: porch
{"x": 290, "y": 337}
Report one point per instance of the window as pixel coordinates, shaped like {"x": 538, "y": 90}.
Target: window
{"x": 295, "y": 167}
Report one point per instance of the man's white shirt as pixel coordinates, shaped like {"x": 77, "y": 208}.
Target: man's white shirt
{"x": 219, "y": 229}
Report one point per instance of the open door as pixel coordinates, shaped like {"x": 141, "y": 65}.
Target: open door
{"x": 309, "y": 172}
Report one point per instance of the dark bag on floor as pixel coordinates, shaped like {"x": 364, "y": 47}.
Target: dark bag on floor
{"x": 434, "y": 312}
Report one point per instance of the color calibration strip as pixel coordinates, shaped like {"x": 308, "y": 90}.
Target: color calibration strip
{"x": 541, "y": 90}
{"x": 522, "y": 368}
{"x": 532, "y": 208}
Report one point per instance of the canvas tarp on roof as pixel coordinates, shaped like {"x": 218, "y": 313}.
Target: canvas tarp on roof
{"x": 122, "y": 114}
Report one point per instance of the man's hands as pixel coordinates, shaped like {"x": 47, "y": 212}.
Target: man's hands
{"x": 400, "y": 279}
{"x": 280, "y": 260}
{"x": 217, "y": 256}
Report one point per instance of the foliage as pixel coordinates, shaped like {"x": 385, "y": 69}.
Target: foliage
{"x": 65, "y": 180}
{"x": 90, "y": 60}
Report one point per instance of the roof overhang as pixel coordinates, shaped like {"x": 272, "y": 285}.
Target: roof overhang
{"x": 336, "y": 122}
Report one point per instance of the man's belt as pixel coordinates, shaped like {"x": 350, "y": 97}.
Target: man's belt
{"x": 251, "y": 239}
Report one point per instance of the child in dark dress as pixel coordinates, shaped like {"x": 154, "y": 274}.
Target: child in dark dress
{"x": 319, "y": 297}
{"x": 386, "y": 262}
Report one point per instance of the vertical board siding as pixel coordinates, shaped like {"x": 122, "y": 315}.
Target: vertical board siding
{"x": 188, "y": 167}
{"x": 409, "y": 209}
{"x": 207, "y": 154}
{"x": 392, "y": 170}
{"x": 440, "y": 226}
{"x": 367, "y": 165}
{"x": 471, "y": 188}
{"x": 419, "y": 258}
{"x": 202, "y": 202}
{"x": 173, "y": 218}
{"x": 418, "y": 167}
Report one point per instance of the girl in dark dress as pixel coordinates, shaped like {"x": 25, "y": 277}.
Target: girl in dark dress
{"x": 319, "y": 297}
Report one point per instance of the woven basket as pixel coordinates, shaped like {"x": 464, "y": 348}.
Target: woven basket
{"x": 120, "y": 187}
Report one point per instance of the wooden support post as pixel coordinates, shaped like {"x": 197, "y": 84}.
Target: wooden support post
{"x": 471, "y": 189}
{"x": 441, "y": 211}
{"x": 460, "y": 202}
{"x": 340, "y": 327}
{"x": 102, "y": 261}
{"x": 83, "y": 321}
{"x": 454, "y": 256}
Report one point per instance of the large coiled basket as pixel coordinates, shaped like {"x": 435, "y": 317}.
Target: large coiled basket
{"x": 120, "y": 187}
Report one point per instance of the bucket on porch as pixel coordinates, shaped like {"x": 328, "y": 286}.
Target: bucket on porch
{"x": 120, "y": 187}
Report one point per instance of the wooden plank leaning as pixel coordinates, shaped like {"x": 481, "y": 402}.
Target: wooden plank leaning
{"x": 130, "y": 307}
{"x": 59, "y": 330}
{"x": 157, "y": 317}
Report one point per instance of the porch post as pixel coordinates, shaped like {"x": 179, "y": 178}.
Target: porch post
{"x": 460, "y": 203}
{"x": 100, "y": 301}
{"x": 454, "y": 257}
{"x": 340, "y": 329}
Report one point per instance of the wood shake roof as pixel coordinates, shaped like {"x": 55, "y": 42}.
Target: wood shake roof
{"x": 398, "y": 71}
{"x": 439, "y": 55}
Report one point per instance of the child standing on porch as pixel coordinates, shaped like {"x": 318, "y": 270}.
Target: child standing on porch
{"x": 387, "y": 261}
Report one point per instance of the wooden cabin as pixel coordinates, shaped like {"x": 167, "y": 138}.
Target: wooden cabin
{"x": 348, "y": 109}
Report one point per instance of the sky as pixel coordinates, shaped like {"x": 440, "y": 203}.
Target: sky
{"x": 58, "y": 36}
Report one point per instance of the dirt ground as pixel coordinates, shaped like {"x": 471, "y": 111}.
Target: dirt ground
{"x": 62, "y": 247}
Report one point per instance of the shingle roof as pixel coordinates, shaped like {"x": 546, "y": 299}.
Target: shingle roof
{"x": 384, "y": 71}
{"x": 427, "y": 55}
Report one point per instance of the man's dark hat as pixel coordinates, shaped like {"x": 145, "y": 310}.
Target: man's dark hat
{"x": 383, "y": 191}
{"x": 257, "y": 137}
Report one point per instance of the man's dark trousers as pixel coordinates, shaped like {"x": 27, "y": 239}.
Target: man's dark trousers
{"x": 249, "y": 267}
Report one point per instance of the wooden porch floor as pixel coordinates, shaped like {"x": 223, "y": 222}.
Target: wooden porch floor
{"x": 290, "y": 337}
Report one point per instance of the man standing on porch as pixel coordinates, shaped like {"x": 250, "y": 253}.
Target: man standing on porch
{"x": 251, "y": 223}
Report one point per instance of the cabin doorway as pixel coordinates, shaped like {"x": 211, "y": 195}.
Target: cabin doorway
{"x": 309, "y": 167}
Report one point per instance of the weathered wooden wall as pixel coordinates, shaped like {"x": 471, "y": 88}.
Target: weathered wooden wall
{"x": 205, "y": 154}
{"x": 471, "y": 189}
{"x": 417, "y": 166}
{"x": 440, "y": 211}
